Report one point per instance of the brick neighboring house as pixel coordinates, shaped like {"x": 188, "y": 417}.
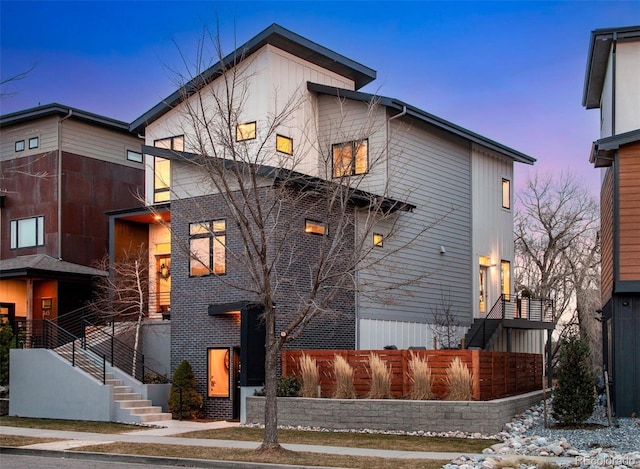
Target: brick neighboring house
{"x": 611, "y": 85}
{"x": 62, "y": 169}
{"x": 447, "y": 177}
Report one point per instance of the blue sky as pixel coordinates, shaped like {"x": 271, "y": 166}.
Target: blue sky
{"x": 511, "y": 71}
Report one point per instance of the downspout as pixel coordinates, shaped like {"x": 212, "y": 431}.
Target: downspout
{"x": 60, "y": 182}
{"x": 613, "y": 83}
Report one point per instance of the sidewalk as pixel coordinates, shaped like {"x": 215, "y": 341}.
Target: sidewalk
{"x": 170, "y": 436}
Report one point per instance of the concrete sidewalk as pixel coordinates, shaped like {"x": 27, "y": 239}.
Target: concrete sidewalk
{"x": 169, "y": 435}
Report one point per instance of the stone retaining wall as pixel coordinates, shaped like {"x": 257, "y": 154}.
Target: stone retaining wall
{"x": 487, "y": 417}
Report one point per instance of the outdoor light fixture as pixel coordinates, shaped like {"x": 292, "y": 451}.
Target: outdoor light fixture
{"x": 47, "y": 303}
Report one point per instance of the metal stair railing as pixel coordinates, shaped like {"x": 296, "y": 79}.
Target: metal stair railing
{"x": 497, "y": 312}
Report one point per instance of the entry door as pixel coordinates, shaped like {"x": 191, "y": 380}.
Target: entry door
{"x": 482, "y": 298}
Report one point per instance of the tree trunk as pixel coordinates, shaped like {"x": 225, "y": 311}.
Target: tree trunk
{"x": 270, "y": 440}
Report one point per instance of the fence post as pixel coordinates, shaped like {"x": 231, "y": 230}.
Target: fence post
{"x": 73, "y": 353}
{"x": 475, "y": 369}
{"x": 104, "y": 369}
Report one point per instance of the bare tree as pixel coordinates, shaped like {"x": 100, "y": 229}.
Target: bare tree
{"x": 558, "y": 248}
{"x": 122, "y": 296}
{"x": 266, "y": 193}
{"x": 4, "y": 93}
{"x": 446, "y": 327}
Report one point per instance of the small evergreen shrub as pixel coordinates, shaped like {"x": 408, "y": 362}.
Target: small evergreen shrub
{"x": 343, "y": 373}
{"x": 459, "y": 380}
{"x": 380, "y": 374}
{"x": 288, "y": 386}
{"x": 420, "y": 378}
{"x": 7, "y": 342}
{"x": 574, "y": 398}
{"x": 191, "y": 399}
{"x": 310, "y": 378}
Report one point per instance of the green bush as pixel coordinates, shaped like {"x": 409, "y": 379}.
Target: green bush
{"x": 574, "y": 398}
{"x": 6, "y": 343}
{"x": 192, "y": 400}
{"x": 288, "y": 386}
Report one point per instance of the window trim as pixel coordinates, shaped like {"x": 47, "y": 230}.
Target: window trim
{"x": 315, "y": 227}
{"x": 208, "y": 232}
{"x": 37, "y": 140}
{"x": 506, "y": 182}
{"x": 172, "y": 142}
{"x": 353, "y": 163}
{"x": 240, "y": 135}
{"x": 289, "y": 140}
{"x": 19, "y": 146}
{"x": 162, "y": 190}
{"x": 139, "y": 159}
{"x": 14, "y": 232}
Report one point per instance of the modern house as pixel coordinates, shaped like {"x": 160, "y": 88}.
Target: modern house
{"x": 611, "y": 85}
{"x": 61, "y": 169}
{"x": 301, "y": 108}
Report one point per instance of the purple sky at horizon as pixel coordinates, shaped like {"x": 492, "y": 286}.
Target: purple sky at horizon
{"x": 510, "y": 71}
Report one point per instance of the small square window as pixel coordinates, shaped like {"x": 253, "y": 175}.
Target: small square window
{"x": 34, "y": 143}
{"x": 378, "y": 240}
{"x": 20, "y": 145}
{"x": 246, "y": 131}
{"x": 315, "y": 227}
{"x": 284, "y": 144}
{"x": 134, "y": 156}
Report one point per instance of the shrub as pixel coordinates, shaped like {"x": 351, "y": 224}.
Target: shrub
{"x": 343, "y": 373}
{"x": 288, "y": 386}
{"x": 309, "y": 373}
{"x": 420, "y": 378}
{"x": 574, "y": 398}
{"x": 192, "y": 400}
{"x": 380, "y": 374}
{"x": 6, "y": 343}
{"x": 459, "y": 380}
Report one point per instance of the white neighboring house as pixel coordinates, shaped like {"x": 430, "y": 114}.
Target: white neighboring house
{"x": 458, "y": 183}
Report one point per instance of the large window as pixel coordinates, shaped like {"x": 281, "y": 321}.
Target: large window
{"x": 505, "y": 277}
{"x": 350, "y": 158}
{"x": 27, "y": 232}
{"x": 162, "y": 168}
{"x": 207, "y": 241}
{"x": 218, "y": 372}
{"x": 506, "y": 193}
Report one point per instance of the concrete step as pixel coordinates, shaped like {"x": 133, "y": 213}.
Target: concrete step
{"x": 122, "y": 389}
{"x": 145, "y": 410}
{"x": 113, "y": 382}
{"x": 127, "y": 396}
{"x": 134, "y": 403}
{"x": 154, "y": 417}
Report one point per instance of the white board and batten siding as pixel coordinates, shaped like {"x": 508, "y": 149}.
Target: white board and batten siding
{"x": 522, "y": 341}
{"x": 273, "y": 77}
{"x": 492, "y": 224}
{"x": 45, "y": 129}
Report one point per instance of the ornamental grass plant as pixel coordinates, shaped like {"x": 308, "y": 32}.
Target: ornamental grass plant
{"x": 309, "y": 376}
{"x": 343, "y": 373}
{"x": 380, "y": 374}
{"x": 459, "y": 381}
{"x": 420, "y": 378}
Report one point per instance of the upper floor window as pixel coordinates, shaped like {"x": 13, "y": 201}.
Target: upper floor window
{"x": 27, "y": 232}
{"x": 350, "y": 158}
{"x": 170, "y": 143}
{"x": 207, "y": 241}
{"x": 315, "y": 227}
{"x": 134, "y": 156}
{"x": 19, "y": 145}
{"x": 284, "y": 144}
{"x": 246, "y": 131}
{"x": 506, "y": 193}
{"x": 161, "y": 179}
{"x": 34, "y": 142}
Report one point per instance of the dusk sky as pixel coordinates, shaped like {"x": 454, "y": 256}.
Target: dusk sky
{"x": 510, "y": 71}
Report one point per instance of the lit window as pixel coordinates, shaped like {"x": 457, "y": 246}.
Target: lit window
{"x": 161, "y": 180}
{"x": 207, "y": 246}
{"x": 246, "y": 131}
{"x": 351, "y": 158}
{"x": 284, "y": 144}
{"x": 27, "y": 232}
{"x": 315, "y": 227}
{"x": 33, "y": 143}
{"x": 171, "y": 143}
{"x": 134, "y": 156}
{"x": 505, "y": 277}
{"x": 20, "y": 145}
{"x": 218, "y": 372}
{"x": 506, "y": 193}
{"x": 377, "y": 240}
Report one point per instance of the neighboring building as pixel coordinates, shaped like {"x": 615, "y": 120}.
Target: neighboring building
{"x": 612, "y": 85}
{"x": 454, "y": 181}
{"x": 61, "y": 169}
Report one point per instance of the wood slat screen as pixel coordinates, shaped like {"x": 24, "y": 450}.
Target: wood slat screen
{"x": 495, "y": 374}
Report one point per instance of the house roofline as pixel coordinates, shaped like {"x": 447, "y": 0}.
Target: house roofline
{"x": 425, "y": 117}
{"x": 597, "y": 59}
{"x": 603, "y": 151}
{"x": 55, "y": 109}
{"x": 279, "y": 37}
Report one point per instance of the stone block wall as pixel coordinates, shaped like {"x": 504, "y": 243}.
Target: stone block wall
{"x": 487, "y": 417}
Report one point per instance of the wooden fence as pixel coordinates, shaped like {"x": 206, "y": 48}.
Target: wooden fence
{"x": 495, "y": 374}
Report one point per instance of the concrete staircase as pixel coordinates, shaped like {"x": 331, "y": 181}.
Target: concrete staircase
{"x": 130, "y": 406}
